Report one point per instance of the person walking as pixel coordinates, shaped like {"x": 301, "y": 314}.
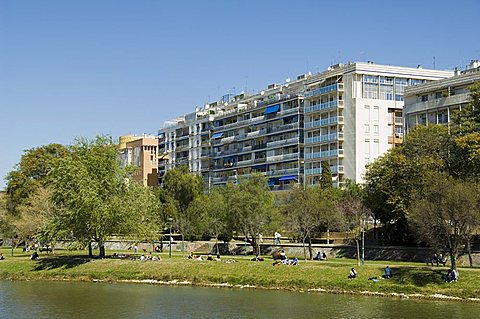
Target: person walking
{"x": 277, "y": 238}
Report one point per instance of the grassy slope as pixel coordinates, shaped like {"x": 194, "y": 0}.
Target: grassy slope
{"x": 409, "y": 278}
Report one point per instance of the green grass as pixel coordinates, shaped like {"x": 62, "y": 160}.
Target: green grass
{"x": 409, "y": 278}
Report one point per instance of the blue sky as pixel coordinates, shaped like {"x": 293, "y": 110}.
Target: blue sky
{"x": 82, "y": 68}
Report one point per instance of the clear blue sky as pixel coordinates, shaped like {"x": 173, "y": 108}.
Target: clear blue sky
{"x": 81, "y": 68}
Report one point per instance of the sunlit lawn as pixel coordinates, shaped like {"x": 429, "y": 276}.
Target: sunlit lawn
{"x": 408, "y": 277}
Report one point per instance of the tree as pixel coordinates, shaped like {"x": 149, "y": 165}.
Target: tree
{"x": 392, "y": 179}
{"x": 326, "y": 176}
{"x": 352, "y": 205}
{"x": 447, "y": 213}
{"x": 180, "y": 189}
{"x": 466, "y": 132}
{"x": 211, "y": 211}
{"x": 33, "y": 215}
{"x": 250, "y": 205}
{"x": 95, "y": 198}
{"x": 31, "y": 173}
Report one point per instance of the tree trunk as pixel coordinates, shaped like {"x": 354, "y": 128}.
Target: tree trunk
{"x": 254, "y": 245}
{"x": 453, "y": 259}
{"x": 304, "y": 249}
{"x": 101, "y": 248}
{"x": 469, "y": 249}
{"x": 310, "y": 250}
{"x": 90, "y": 251}
{"x": 358, "y": 252}
{"x": 161, "y": 244}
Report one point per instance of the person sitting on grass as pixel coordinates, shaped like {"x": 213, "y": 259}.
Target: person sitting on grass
{"x": 319, "y": 256}
{"x": 34, "y": 256}
{"x": 1, "y": 256}
{"x": 294, "y": 261}
{"x": 353, "y": 274}
{"x": 388, "y": 273}
{"x": 257, "y": 258}
{"x": 452, "y": 276}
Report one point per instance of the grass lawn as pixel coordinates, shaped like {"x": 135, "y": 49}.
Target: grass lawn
{"x": 408, "y": 278}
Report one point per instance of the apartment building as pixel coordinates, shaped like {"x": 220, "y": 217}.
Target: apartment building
{"x": 347, "y": 115}
{"x": 141, "y": 152}
{"x": 434, "y": 103}
{"x": 353, "y": 114}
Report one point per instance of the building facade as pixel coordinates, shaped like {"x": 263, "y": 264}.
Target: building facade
{"x": 434, "y": 103}
{"x": 140, "y": 152}
{"x": 347, "y": 115}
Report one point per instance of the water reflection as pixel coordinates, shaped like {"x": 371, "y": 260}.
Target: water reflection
{"x": 86, "y": 300}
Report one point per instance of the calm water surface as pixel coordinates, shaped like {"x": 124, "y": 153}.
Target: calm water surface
{"x": 89, "y": 300}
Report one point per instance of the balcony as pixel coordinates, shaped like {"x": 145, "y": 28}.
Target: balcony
{"x": 286, "y": 127}
{"x": 289, "y": 111}
{"x": 246, "y": 162}
{"x": 322, "y": 138}
{"x": 324, "y": 154}
{"x": 288, "y": 171}
{"x": 325, "y": 89}
{"x": 326, "y": 121}
{"x": 322, "y": 106}
{"x": 293, "y": 140}
{"x": 317, "y": 171}
{"x": 282, "y": 157}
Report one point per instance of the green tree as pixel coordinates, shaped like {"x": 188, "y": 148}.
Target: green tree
{"x": 94, "y": 197}
{"x": 392, "y": 179}
{"x": 326, "y": 176}
{"x": 31, "y": 173}
{"x": 352, "y": 205}
{"x": 446, "y": 214}
{"x": 250, "y": 205}
{"x": 466, "y": 132}
{"x": 180, "y": 189}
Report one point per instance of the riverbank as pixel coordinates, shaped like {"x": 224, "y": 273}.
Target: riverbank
{"x": 410, "y": 280}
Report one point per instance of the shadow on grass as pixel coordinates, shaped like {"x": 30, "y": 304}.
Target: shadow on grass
{"x": 418, "y": 276}
{"x": 66, "y": 262}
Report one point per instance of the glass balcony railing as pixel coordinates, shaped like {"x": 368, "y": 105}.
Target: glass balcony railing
{"x": 327, "y": 121}
{"x": 321, "y": 138}
{"x": 321, "y": 106}
{"x": 323, "y": 154}
{"x": 317, "y": 171}
{"x": 325, "y": 89}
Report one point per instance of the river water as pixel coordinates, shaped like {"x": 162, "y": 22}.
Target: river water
{"x": 38, "y": 299}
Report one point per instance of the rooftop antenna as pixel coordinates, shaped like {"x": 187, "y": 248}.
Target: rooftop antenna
{"x": 434, "y": 62}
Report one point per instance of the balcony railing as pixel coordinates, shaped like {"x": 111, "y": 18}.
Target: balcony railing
{"x": 325, "y": 89}
{"x": 327, "y": 121}
{"x": 283, "y": 142}
{"x": 317, "y": 171}
{"x": 323, "y": 154}
{"x": 322, "y": 138}
{"x": 288, "y": 171}
{"x": 321, "y": 106}
{"x": 282, "y": 157}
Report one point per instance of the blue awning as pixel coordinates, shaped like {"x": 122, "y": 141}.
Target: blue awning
{"x": 288, "y": 178}
{"x": 272, "y": 109}
{"x": 217, "y": 135}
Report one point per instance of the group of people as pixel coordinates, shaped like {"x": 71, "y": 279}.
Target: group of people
{"x": 386, "y": 275}
{"x": 439, "y": 259}
{"x": 286, "y": 261}
{"x": 320, "y": 256}
{"x": 451, "y": 276}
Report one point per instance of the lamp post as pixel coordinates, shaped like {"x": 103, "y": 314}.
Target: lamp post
{"x": 170, "y": 220}
{"x": 363, "y": 242}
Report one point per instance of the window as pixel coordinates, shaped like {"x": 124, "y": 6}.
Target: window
{"x": 375, "y": 129}
{"x": 367, "y": 128}
{"x": 424, "y": 98}
{"x": 375, "y": 114}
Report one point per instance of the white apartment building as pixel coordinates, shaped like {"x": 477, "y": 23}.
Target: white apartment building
{"x": 353, "y": 114}
{"x": 348, "y": 115}
{"x": 434, "y": 103}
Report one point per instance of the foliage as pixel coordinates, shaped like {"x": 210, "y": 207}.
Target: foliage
{"x": 326, "y": 176}
{"x": 403, "y": 171}
{"x": 31, "y": 173}
{"x": 250, "y": 207}
{"x": 466, "y": 132}
{"x": 94, "y": 196}
{"x": 180, "y": 189}
{"x": 447, "y": 213}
